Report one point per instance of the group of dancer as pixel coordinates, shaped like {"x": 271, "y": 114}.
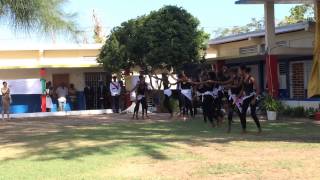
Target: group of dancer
{"x": 218, "y": 93}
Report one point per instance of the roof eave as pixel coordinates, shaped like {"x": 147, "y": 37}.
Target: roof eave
{"x": 275, "y": 1}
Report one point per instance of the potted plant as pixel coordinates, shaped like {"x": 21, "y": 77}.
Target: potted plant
{"x": 317, "y": 114}
{"x": 272, "y": 107}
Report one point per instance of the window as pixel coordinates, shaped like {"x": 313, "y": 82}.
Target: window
{"x": 307, "y": 72}
{"x": 92, "y": 79}
{"x": 248, "y": 50}
{"x": 282, "y": 44}
{"x": 297, "y": 80}
{"x": 282, "y": 76}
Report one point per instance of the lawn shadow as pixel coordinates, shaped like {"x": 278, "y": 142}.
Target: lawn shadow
{"x": 43, "y": 140}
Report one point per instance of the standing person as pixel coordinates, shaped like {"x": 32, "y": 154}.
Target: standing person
{"x": 6, "y": 99}
{"x": 186, "y": 95}
{"x": 234, "y": 93}
{"x": 200, "y": 90}
{"x": 89, "y": 95}
{"x": 115, "y": 90}
{"x": 141, "y": 88}
{"x": 195, "y": 98}
{"x": 73, "y": 97}
{"x": 62, "y": 93}
{"x": 250, "y": 91}
{"x": 49, "y": 96}
{"x": 102, "y": 95}
{"x": 179, "y": 94}
{"x": 123, "y": 96}
{"x": 207, "y": 100}
{"x": 166, "y": 91}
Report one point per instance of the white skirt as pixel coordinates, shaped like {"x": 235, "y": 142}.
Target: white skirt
{"x": 168, "y": 92}
{"x": 48, "y": 102}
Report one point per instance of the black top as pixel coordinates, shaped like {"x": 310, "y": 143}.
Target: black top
{"x": 248, "y": 86}
{"x": 236, "y": 82}
{"x": 142, "y": 88}
{"x": 201, "y": 89}
{"x": 166, "y": 84}
{"x": 185, "y": 85}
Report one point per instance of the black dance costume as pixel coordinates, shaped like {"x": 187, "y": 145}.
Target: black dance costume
{"x": 167, "y": 95}
{"x": 141, "y": 92}
{"x": 186, "y": 102}
{"x": 233, "y": 93}
{"x": 208, "y": 103}
{"x": 247, "y": 101}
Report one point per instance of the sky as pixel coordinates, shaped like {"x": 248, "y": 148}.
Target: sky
{"x": 213, "y": 14}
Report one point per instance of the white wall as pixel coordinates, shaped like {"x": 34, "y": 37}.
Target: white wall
{"x": 76, "y": 75}
{"x": 305, "y": 104}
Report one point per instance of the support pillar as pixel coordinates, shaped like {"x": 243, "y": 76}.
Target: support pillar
{"x": 272, "y": 75}
{"x": 271, "y": 59}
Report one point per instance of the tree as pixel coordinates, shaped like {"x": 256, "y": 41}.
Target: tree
{"x": 98, "y": 36}
{"x": 299, "y": 13}
{"x": 167, "y": 38}
{"x": 44, "y": 16}
{"x": 254, "y": 25}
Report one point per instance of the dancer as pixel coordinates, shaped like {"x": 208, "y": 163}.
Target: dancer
{"x": 234, "y": 92}
{"x": 167, "y": 92}
{"x": 208, "y": 100}
{"x": 200, "y": 90}
{"x": 141, "y": 88}
{"x": 250, "y": 90}
{"x": 186, "y": 95}
{"x": 216, "y": 93}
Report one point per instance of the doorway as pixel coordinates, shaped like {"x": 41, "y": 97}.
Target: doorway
{"x": 57, "y": 79}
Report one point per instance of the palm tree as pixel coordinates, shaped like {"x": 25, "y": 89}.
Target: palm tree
{"x": 42, "y": 16}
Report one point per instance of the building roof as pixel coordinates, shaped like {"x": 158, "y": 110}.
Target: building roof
{"x": 245, "y": 36}
{"x": 46, "y": 47}
{"x": 275, "y": 1}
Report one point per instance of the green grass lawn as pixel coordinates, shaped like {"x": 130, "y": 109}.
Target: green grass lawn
{"x": 78, "y": 149}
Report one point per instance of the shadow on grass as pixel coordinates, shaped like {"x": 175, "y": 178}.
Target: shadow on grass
{"x": 148, "y": 139}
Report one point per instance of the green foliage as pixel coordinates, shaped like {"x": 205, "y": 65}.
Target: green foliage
{"x": 310, "y": 112}
{"x": 167, "y": 38}
{"x": 254, "y": 25}
{"x": 297, "y": 112}
{"x": 299, "y": 13}
{"x": 271, "y": 104}
{"x": 113, "y": 55}
{"x": 44, "y": 16}
{"x": 174, "y": 103}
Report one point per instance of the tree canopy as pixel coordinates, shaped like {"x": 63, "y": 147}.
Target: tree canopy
{"x": 44, "y": 16}
{"x": 254, "y": 25}
{"x": 167, "y": 38}
{"x": 298, "y": 13}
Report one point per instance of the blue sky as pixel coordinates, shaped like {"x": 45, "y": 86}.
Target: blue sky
{"x": 212, "y": 14}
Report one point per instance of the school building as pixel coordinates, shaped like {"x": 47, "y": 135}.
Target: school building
{"x": 294, "y": 49}
{"x": 56, "y": 63}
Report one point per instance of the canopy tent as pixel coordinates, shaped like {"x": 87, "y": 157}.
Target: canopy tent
{"x": 271, "y": 61}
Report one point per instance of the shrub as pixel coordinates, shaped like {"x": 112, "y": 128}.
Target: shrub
{"x": 310, "y": 112}
{"x": 271, "y": 104}
{"x": 298, "y": 112}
